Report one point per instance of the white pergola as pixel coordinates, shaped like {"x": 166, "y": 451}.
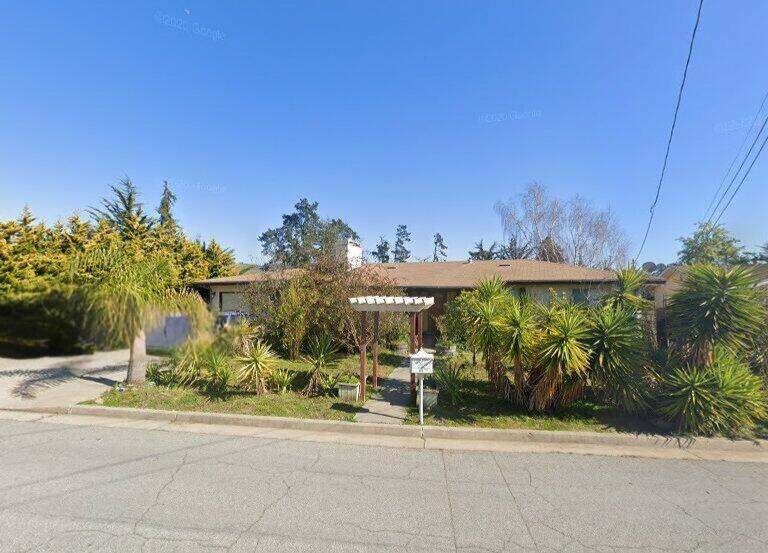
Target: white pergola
{"x": 414, "y": 306}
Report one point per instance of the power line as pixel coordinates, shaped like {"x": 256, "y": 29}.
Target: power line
{"x": 736, "y": 174}
{"x": 672, "y": 130}
{"x": 733, "y": 161}
{"x": 746, "y": 174}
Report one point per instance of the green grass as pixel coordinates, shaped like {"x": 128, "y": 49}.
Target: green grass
{"x": 290, "y": 404}
{"x": 479, "y": 408}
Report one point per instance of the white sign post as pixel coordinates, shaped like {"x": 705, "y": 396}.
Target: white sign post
{"x": 422, "y": 363}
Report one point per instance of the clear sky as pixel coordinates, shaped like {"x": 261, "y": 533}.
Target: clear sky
{"x": 415, "y": 112}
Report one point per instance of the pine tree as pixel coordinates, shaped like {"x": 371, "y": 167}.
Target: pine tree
{"x": 165, "y": 209}
{"x": 402, "y": 237}
{"x": 221, "y": 262}
{"x": 549, "y": 250}
{"x": 480, "y": 253}
{"x": 382, "y": 251}
{"x": 125, "y": 212}
{"x": 438, "y": 254}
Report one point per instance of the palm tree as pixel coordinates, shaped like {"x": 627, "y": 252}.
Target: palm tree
{"x": 715, "y": 306}
{"x": 563, "y": 358}
{"x": 122, "y": 295}
{"x": 519, "y": 338}
{"x": 485, "y": 321}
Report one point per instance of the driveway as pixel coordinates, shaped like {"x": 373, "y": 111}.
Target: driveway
{"x": 66, "y": 488}
{"x": 59, "y": 381}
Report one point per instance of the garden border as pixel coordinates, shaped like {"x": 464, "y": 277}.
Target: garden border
{"x": 473, "y": 437}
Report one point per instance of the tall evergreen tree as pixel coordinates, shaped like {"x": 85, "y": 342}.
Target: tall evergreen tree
{"x": 549, "y": 250}
{"x": 124, "y": 212}
{"x": 480, "y": 253}
{"x": 438, "y": 253}
{"x": 401, "y": 252}
{"x": 515, "y": 250}
{"x": 382, "y": 251}
{"x": 165, "y": 209}
{"x": 221, "y": 262}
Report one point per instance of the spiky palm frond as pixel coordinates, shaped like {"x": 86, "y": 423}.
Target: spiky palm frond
{"x": 563, "y": 355}
{"x": 715, "y": 306}
{"x": 255, "y": 365}
{"x": 626, "y": 294}
{"x": 618, "y": 356}
{"x": 519, "y": 337}
{"x": 322, "y": 352}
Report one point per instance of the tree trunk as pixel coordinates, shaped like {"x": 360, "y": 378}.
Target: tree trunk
{"x": 137, "y": 360}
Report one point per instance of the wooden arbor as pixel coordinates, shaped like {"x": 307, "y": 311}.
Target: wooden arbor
{"x": 414, "y": 306}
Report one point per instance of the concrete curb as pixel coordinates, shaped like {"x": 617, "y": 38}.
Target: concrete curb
{"x": 426, "y": 433}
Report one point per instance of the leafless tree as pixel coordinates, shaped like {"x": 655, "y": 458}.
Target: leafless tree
{"x": 585, "y": 235}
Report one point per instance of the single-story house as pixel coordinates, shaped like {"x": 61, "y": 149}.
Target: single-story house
{"x": 445, "y": 280}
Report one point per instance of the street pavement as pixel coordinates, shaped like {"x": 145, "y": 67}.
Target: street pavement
{"x": 80, "y": 488}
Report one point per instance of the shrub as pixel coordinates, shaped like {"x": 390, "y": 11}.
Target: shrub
{"x": 281, "y": 380}
{"x": 327, "y": 384}
{"x": 716, "y": 306}
{"x": 255, "y": 365}
{"x": 724, "y": 398}
{"x": 449, "y": 376}
{"x": 618, "y": 357}
{"x": 160, "y": 374}
{"x": 322, "y": 352}
{"x": 218, "y": 374}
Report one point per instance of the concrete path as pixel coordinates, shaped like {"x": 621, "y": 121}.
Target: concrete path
{"x": 388, "y": 406}
{"x": 59, "y": 381}
{"x": 69, "y": 488}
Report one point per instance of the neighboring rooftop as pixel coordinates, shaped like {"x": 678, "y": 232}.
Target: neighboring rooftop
{"x": 465, "y": 274}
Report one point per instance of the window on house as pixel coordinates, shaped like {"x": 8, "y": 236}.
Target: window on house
{"x": 580, "y": 295}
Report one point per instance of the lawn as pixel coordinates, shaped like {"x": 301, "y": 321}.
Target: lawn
{"x": 479, "y": 408}
{"x": 290, "y": 404}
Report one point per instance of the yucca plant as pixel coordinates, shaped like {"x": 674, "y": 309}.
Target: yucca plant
{"x": 327, "y": 383}
{"x": 255, "y": 365}
{"x": 715, "y": 306}
{"x": 518, "y": 340}
{"x": 723, "y": 398}
{"x": 217, "y": 375}
{"x": 239, "y": 336}
{"x": 626, "y": 294}
{"x": 281, "y": 380}
{"x": 449, "y": 375}
{"x": 563, "y": 359}
{"x": 618, "y": 357}
{"x": 322, "y": 352}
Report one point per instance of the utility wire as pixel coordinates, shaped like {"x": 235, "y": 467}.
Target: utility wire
{"x": 736, "y": 174}
{"x": 672, "y": 130}
{"x": 733, "y": 161}
{"x": 746, "y": 174}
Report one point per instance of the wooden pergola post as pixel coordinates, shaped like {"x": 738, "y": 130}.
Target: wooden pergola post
{"x": 363, "y": 354}
{"x": 421, "y": 329}
{"x": 376, "y": 321}
{"x": 413, "y": 345}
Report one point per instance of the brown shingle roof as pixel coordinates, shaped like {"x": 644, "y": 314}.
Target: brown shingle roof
{"x": 464, "y": 274}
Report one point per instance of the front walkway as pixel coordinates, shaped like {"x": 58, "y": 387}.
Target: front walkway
{"x": 59, "y": 381}
{"x": 389, "y": 404}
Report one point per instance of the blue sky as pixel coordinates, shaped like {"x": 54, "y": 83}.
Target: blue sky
{"x": 384, "y": 112}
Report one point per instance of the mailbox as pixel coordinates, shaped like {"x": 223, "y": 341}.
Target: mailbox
{"x": 422, "y": 362}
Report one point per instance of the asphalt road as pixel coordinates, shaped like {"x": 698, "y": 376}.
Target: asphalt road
{"x": 89, "y": 488}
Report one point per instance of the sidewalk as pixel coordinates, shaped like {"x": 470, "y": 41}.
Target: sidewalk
{"x": 389, "y": 404}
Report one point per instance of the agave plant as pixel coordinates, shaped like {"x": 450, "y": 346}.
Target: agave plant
{"x": 715, "y": 306}
{"x": 563, "y": 359}
{"x": 618, "y": 356}
{"x": 255, "y": 365}
{"x": 518, "y": 340}
{"x": 322, "y": 352}
{"x": 724, "y": 398}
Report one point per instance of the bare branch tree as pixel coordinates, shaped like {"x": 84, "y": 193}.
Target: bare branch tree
{"x": 586, "y": 236}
